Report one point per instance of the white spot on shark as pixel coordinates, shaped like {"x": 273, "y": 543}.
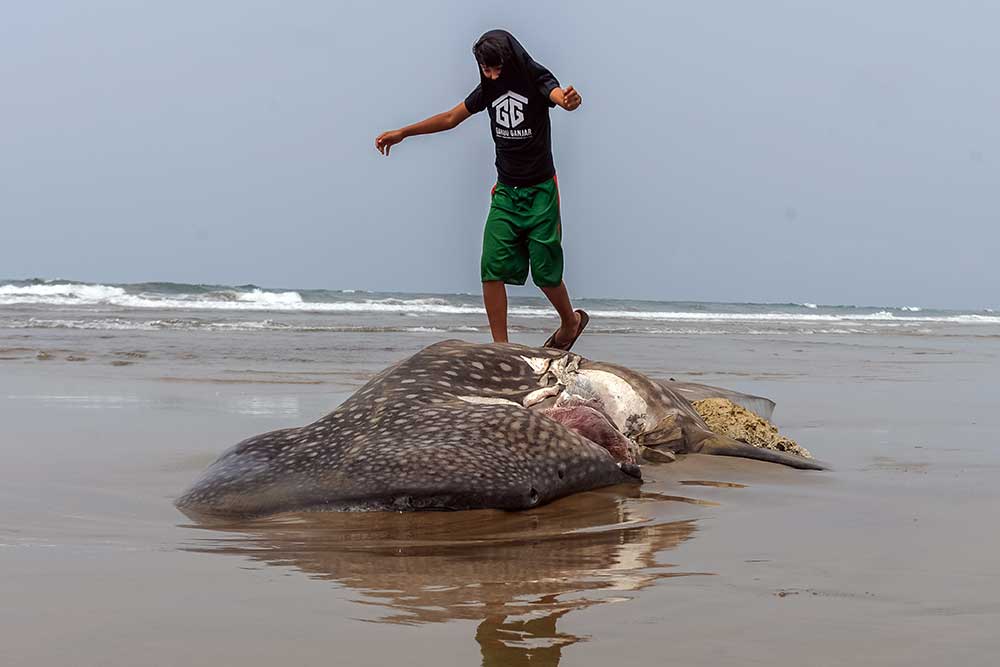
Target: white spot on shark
{"x": 487, "y": 400}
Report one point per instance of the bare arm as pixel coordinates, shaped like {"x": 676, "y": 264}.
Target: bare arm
{"x": 567, "y": 98}
{"x": 436, "y": 123}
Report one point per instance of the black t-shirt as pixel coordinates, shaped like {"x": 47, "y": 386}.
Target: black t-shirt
{"x": 518, "y": 104}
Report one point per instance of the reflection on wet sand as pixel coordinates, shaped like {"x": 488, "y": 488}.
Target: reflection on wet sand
{"x": 516, "y": 573}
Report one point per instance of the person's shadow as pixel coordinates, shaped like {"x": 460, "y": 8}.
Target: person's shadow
{"x": 516, "y": 573}
{"x": 534, "y": 641}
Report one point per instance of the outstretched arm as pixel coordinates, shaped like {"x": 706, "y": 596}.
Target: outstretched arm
{"x": 567, "y": 97}
{"x": 436, "y": 123}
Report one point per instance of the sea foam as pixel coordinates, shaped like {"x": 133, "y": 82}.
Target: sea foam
{"x": 256, "y": 299}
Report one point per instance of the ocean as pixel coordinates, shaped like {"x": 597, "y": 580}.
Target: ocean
{"x": 56, "y": 304}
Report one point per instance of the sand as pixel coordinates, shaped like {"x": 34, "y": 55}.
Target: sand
{"x": 888, "y": 559}
{"x": 726, "y": 418}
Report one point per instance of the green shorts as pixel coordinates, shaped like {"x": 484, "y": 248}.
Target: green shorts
{"x": 523, "y": 228}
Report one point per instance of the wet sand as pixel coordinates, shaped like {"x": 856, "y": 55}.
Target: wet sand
{"x": 888, "y": 559}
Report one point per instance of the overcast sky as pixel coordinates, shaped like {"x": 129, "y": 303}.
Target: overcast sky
{"x": 831, "y": 152}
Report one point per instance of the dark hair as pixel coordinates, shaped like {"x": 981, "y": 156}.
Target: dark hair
{"x": 490, "y": 51}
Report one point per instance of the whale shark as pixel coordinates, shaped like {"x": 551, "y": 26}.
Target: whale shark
{"x": 461, "y": 425}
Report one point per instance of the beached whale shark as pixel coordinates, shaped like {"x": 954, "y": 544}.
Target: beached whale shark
{"x": 468, "y": 426}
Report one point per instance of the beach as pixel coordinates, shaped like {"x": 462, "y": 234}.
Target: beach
{"x": 115, "y": 398}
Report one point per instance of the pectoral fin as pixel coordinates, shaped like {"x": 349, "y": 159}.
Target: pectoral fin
{"x": 720, "y": 445}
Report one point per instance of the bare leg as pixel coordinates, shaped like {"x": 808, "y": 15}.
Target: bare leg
{"x": 570, "y": 319}
{"x": 495, "y": 300}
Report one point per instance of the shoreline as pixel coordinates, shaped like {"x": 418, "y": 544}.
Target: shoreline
{"x": 888, "y": 555}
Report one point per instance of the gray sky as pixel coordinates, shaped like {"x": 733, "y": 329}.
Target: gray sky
{"x": 844, "y": 153}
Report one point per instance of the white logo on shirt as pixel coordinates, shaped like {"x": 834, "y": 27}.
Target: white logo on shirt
{"x": 509, "y": 109}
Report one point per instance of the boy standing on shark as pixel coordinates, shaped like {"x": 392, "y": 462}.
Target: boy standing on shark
{"x": 523, "y": 226}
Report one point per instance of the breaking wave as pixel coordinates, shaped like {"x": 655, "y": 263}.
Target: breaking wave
{"x": 170, "y": 296}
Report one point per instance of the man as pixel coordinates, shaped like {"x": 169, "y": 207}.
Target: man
{"x": 523, "y": 226}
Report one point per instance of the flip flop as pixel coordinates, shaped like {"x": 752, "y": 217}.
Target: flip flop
{"x": 551, "y": 342}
